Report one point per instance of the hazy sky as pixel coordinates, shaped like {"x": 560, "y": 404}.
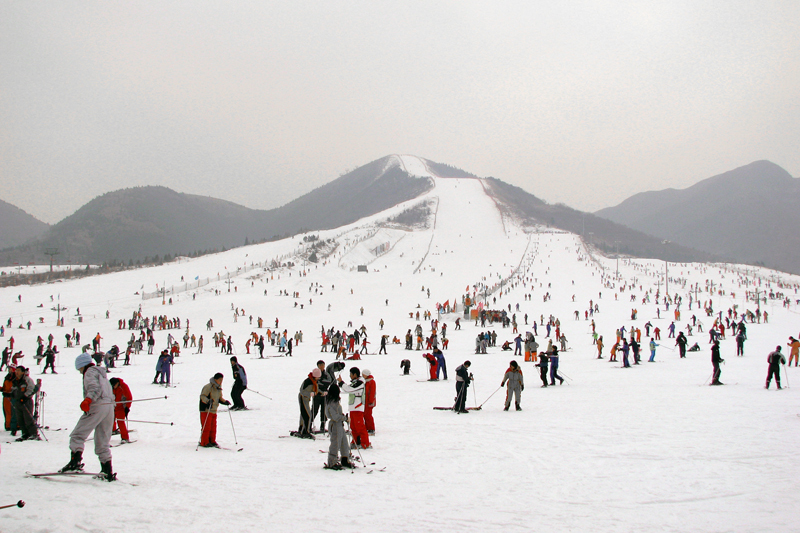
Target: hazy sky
{"x": 258, "y": 102}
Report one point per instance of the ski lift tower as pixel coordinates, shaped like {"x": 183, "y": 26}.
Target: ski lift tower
{"x": 51, "y": 252}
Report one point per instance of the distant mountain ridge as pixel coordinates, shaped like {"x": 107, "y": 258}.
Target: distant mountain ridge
{"x": 747, "y": 215}
{"x": 143, "y": 222}
{"x": 608, "y": 236}
{"x": 18, "y": 226}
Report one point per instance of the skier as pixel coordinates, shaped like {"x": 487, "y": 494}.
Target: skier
{"x": 318, "y": 401}
{"x": 515, "y": 385}
{"x": 308, "y": 389}
{"x": 98, "y": 418}
{"x": 405, "y": 364}
{"x": 463, "y": 378}
{"x": 554, "y": 367}
{"x": 433, "y": 365}
{"x": 775, "y": 360}
{"x": 355, "y": 406}
{"x": 210, "y": 398}
{"x": 715, "y": 361}
{"x": 542, "y": 364}
{"x": 339, "y": 445}
{"x": 370, "y": 390}
{"x": 239, "y": 385}
{"x": 652, "y": 351}
{"x": 740, "y": 338}
{"x": 8, "y": 410}
{"x": 795, "y": 352}
{"x": 122, "y": 406}
{"x": 22, "y": 400}
{"x": 681, "y": 342}
{"x": 441, "y": 365}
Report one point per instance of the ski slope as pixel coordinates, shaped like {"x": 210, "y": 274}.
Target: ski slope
{"x": 644, "y": 449}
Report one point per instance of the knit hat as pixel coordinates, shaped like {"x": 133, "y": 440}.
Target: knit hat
{"x": 83, "y": 360}
{"x": 317, "y": 373}
{"x": 366, "y": 373}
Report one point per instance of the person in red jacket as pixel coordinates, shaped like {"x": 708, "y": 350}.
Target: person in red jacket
{"x": 369, "y": 400}
{"x": 122, "y": 397}
{"x": 433, "y": 365}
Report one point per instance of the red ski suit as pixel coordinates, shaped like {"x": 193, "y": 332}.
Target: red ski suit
{"x": 369, "y": 402}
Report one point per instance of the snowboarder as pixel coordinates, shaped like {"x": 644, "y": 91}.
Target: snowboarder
{"x": 97, "y": 417}
{"x": 210, "y": 398}
{"x": 515, "y": 385}
{"x": 239, "y": 385}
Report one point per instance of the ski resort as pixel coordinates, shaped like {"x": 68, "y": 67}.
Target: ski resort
{"x": 600, "y": 441}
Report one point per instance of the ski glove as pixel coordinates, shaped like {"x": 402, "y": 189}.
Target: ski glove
{"x": 86, "y": 404}
{"x": 127, "y": 410}
{"x": 225, "y": 402}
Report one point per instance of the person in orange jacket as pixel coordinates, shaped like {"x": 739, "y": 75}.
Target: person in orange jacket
{"x": 369, "y": 400}
{"x": 122, "y": 397}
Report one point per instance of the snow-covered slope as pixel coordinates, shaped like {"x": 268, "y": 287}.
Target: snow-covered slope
{"x": 642, "y": 449}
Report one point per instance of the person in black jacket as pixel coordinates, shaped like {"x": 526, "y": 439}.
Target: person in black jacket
{"x": 325, "y": 381}
{"x": 239, "y": 385}
{"x": 544, "y": 361}
{"x": 715, "y": 361}
{"x": 463, "y": 378}
{"x": 775, "y": 360}
{"x": 681, "y": 341}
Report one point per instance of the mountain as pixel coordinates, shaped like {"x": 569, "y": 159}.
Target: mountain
{"x": 599, "y": 232}
{"x": 747, "y": 215}
{"x": 144, "y": 222}
{"x": 17, "y": 226}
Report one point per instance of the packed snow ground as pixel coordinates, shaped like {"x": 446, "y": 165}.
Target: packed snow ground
{"x": 643, "y": 449}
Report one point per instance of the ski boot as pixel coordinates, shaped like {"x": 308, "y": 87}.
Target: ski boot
{"x": 518, "y": 407}
{"x": 347, "y": 463}
{"x": 106, "y": 472}
{"x": 335, "y": 466}
{"x": 75, "y": 464}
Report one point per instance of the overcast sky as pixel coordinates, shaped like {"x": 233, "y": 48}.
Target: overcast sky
{"x": 258, "y": 102}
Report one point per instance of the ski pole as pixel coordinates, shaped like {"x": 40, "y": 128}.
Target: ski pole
{"x": 785, "y": 373}
{"x": 203, "y": 429}
{"x": 38, "y": 428}
{"x": 149, "y": 422}
{"x": 492, "y": 394}
{"x": 234, "y": 429}
{"x": 264, "y": 395}
{"x": 131, "y": 401}
{"x": 18, "y": 504}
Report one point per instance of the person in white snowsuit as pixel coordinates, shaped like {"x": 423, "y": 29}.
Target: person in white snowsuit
{"x": 340, "y": 445}
{"x": 98, "y": 417}
{"x": 515, "y": 385}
